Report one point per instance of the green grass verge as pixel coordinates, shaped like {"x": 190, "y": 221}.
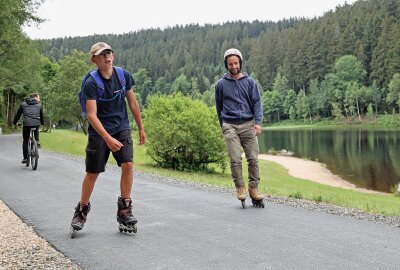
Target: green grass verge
{"x": 275, "y": 179}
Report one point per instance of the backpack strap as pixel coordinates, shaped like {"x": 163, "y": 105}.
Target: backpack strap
{"x": 100, "y": 85}
{"x": 121, "y": 77}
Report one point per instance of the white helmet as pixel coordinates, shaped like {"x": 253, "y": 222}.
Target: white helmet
{"x": 233, "y": 51}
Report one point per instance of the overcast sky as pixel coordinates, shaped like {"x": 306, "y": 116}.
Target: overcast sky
{"x": 70, "y": 18}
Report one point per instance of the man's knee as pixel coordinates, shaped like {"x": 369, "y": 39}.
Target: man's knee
{"x": 92, "y": 176}
{"x": 235, "y": 154}
{"x": 236, "y": 163}
{"x": 127, "y": 165}
{"x": 252, "y": 161}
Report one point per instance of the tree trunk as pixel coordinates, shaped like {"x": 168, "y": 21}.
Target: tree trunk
{"x": 10, "y": 106}
{"x": 358, "y": 110}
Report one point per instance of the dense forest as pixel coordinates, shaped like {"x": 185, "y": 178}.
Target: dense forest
{"x": 345, "y": 63}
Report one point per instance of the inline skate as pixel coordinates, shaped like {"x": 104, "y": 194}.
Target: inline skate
{"x": 241, "y": 195}
{"x": 79, "y": 219}
{"x": 127, "y": 222}
{"x": 256, "y": 197}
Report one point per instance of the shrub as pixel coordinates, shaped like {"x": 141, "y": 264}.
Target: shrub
{"x": 183, "y": 134}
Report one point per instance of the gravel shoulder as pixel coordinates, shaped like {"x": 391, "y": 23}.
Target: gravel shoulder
{"x": 22, "y": 248}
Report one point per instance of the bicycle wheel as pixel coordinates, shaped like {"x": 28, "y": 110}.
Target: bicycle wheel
{"x": 29, "y": 153}
{"x": 34, "y": 155}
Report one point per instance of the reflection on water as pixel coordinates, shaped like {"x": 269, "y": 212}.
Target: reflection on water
{"x": 366, "y": 158}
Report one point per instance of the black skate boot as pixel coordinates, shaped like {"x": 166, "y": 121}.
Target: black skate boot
{"x": 127, "y": 222}
{"x": 79, "y": 218}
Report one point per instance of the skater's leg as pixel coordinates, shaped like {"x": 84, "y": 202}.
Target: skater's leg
{"x": 124, "y": 213}
{"x": 251, "y": 149}
{"x": 250, "y": 145}
{"x": 124, "y": 158}
{"x": 87, "y": 186}
{"x": 83, "y": 207}
{"x": 97, "y": 154}
{"x": 126, "y": 179}
{"x": 96, "y": 157}
{"x": 234, "y": 148}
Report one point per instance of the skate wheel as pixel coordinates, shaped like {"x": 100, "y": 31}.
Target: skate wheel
{"x": 127, "y": 228}
{"x": 259, "y": 204}
{"x": 73, "y": 233}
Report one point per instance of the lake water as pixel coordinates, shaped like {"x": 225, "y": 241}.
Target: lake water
{"x": 365, "y": 157}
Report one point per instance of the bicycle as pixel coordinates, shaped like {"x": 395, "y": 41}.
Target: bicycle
{"x": 33, "y": 151}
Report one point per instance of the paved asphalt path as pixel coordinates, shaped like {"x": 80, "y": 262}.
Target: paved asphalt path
{"x": 181, "y": 227}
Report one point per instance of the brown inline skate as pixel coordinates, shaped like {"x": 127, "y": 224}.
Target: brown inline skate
{"x": 256, "y": 197}
{"x": 241, "y": 195}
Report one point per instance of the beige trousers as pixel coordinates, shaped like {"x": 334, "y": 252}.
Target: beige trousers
{"x": 240, "y": 137}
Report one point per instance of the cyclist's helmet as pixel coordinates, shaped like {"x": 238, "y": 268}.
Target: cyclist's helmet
{"x": 233, "y": 51}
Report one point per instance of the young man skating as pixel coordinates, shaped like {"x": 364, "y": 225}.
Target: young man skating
{"x": 109, "y": 131}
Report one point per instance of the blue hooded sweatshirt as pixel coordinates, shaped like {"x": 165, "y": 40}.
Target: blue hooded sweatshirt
{"x": 238, "y": 101}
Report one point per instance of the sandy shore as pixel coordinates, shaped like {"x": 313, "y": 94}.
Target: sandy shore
{"x": 313, "y": 171}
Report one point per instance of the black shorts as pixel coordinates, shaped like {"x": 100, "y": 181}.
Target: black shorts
{"x": 97, "y": 151}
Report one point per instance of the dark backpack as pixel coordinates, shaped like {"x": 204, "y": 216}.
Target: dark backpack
{"x": 100, "y": 88}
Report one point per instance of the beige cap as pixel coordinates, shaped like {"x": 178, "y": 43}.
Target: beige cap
{"x": 99, "y": 47}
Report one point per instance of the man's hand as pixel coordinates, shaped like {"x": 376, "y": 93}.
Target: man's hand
{"x": 142, "y": 137}
{"x": 257, "y": 129}
{"x": 113, "y": 144}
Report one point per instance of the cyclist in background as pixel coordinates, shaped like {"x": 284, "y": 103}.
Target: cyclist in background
{"x": 32, "y": 112}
